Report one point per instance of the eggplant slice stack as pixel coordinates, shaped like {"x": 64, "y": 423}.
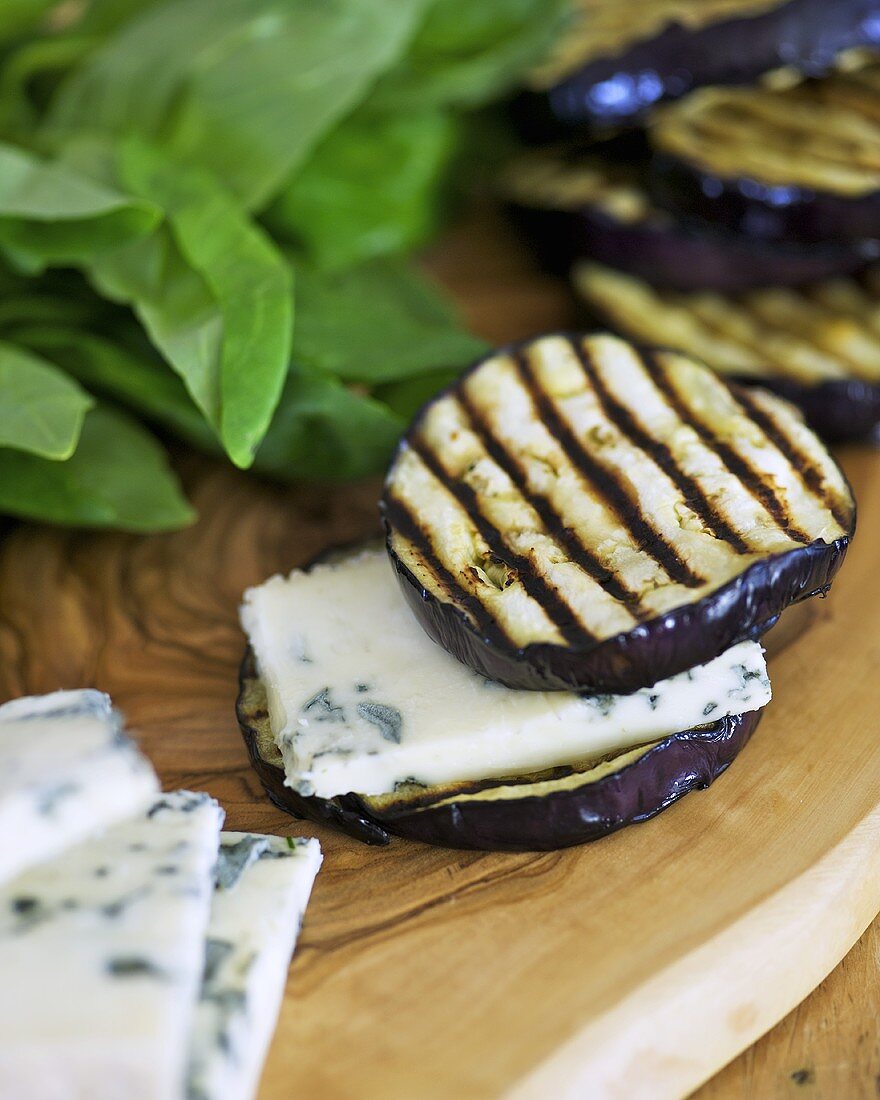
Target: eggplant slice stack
{"x": 577, "y": 514}
{"x": 540, "y": 812}
{"x": 616, "y": 60}
{"x": 818, "y": 345}
{"x": 592, "y": 200}
{"x": 799, "y": 163}
{"x": 612, "y": 527}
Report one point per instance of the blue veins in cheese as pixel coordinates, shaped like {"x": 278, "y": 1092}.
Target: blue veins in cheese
{"x": 101, "y": 957}
{"x": 360, "y": 699}
{"x": 262, "y": 888}
{"x": 66, "y": 771}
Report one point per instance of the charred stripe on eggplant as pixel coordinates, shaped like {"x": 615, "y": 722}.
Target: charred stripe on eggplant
{"x": 639, "y": 526}
{"x": 812, "y": 474}
{"x": 737, "y": 465}
{"x": 660, "y": 452}
{"x": 409, "y": 527}
{"x": 555, "y": 523}
{"x": 521, "y": 569}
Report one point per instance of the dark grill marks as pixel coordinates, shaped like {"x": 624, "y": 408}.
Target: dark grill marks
{"x": 556, "y": 609}
{"x": 737, "y": 465}
{"x": 690, "y": 489}
{"x": 403, "y": 521}
{"x": 554, "y": 523}
{"x": 648, "y": 539}
{"x": 802, "y": 462}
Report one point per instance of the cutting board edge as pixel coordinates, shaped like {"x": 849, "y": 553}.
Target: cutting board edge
{"x": 692, "y": 1032}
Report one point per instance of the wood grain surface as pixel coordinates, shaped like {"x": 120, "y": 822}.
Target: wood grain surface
{"x": 426, "y": 973}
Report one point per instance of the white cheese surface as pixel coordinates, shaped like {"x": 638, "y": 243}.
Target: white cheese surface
{"x": 263, "y": 886}
{"x": 66, "y": 772}
{"x": 101, "y": 956}
{"x": 361, "y": 699}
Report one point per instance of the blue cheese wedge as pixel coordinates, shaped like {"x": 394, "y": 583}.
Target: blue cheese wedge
{"x": 66, "y": 771}
{"x": 101, "y": 954}
{"x": 360, "y": 699}
{"x": 262, "y": 888}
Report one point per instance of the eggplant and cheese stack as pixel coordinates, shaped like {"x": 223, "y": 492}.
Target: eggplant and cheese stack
{"x": 616, "y": 60}
{"x": 800, "y": 163}
{"x": 818, "y": 345}
{"x": 578, "y": 514}
{"x": 595, "y": 536}
{"x": 592, "y": 201}
{"x": 353, "y": 716}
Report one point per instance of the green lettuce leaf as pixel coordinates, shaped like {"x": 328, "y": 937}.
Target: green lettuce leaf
{"x": 466, "y": 54}
{"x": 323, "y": 430}
{"x": 137, "y": 378}
{"x": 375, "y": 185}
{"x": 118, "y": 476}
{"x": 41, "y": 409}
{"x": 244, "y": 88}
{"x": 20, "y": 17}
{"x": 52, "y": 214}
{"x": 377, "y": 323}
{"x": 212, "y": 291}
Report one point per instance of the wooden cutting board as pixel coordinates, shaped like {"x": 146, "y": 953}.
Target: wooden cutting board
{"x": 635, "y": 967}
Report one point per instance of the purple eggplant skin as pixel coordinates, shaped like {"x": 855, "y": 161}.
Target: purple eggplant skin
{"x": 681, "y": 763}
{"x": 608, "y": 91}
{"x": 840, "y": 410}
{"x": 690, "y": 635}
{"x": 680, "y": 254}
{"x": 767, "y": 212}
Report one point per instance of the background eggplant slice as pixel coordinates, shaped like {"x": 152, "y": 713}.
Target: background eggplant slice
{"x": 619, "y": 59}
{"x": 797, "y": 163}
{"x": 818, "y": 346}
{"x": 539, "y": 812}
{"x": 575, "y": 202}
{"x": 578, "y": 514}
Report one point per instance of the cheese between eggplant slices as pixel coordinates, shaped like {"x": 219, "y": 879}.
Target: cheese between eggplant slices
{"x": 262, "y": 888}
{"x": 66, "y": 771}
{"x": 101, "y": 955}
{"x": 360, "y": 699}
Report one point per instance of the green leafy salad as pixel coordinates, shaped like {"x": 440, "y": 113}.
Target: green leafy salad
{"x": 207, "y": 215}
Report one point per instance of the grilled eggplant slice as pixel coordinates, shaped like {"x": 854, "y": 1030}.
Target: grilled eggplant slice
{"x": 539, "y": 812}
{"x": 617, "y": 60}
{"x": 584, "y": 201}
{"x": 794, "y": 164}
{"x": 578, "y": 514}
{"x": 818, "y": 346}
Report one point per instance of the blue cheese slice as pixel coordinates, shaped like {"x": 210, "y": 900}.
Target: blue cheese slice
{"x": 101, "y": 955}
{"x": 360, "y": 699}
{"x": 263, "y": 886}
{"x": 66, "y": 771}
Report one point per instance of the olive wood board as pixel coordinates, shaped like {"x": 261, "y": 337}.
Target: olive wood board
{"x": 634, "y": 967}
